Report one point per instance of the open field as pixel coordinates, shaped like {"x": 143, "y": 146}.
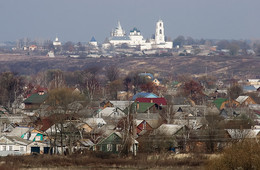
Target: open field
{"x": 142, "y": 161}
{"x": 220, "y": 66}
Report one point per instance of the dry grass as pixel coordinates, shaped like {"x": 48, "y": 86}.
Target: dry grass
{"x": 194, "y": 65}
{"x": 241, "y": 155}
{"x": 100, "y": 160}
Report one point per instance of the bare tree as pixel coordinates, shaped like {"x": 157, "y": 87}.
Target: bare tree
{"x": 61, "y": 101}
{"x": 112, "y": 73}
{"x": 235, "y": 91}
{"x": 55, "y": 79}
{"x": 11, "y": 85}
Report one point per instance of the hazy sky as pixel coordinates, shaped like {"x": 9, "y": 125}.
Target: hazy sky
{"x": 79, "y": 20}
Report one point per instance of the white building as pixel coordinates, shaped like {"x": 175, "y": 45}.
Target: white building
{"x": 135, "y": 38}
{"x": 56, "y": 42}
{"x": 93, "y": 42}
{"x": 159, "y": 41}
{"x": 118, "y": 36}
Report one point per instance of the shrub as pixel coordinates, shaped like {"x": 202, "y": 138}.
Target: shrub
{"x": 241, "y": 155}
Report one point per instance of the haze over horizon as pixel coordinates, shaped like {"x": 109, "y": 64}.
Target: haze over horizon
{"x": 79, "y": 20}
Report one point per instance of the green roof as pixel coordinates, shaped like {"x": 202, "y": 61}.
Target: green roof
{"x": 143, "y": 107}
{"x": 218, "y": 102}
{"x": 174, "y": 83}
{"x": 36, "y": 99}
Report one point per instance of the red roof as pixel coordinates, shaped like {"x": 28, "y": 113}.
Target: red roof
{"x": 44, "y": 123}
{"x": 158, "y": 101}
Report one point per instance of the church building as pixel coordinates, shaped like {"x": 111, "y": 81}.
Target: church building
{"x": 135, "y": 38}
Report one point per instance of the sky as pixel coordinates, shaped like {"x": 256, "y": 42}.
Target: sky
{"x": 79, "y": 20}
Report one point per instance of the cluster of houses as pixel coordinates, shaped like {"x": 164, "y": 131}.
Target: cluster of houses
{"x": 146, "y": 122}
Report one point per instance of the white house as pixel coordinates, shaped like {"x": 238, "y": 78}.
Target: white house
{"x": 13, "y": 145}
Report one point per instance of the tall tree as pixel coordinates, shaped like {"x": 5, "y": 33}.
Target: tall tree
{"x": 91, "y": 84}
{"x": 64, "y": 108}
{"x": 193, "y": 90}
{"x": 11, "y": 86}
{"x": 112, "y": 73}
{"x": 55, "y": 79}
{"x": 235, "y": 91}
{"x": 180, "y": 40}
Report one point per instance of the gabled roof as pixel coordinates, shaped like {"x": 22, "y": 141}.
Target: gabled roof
{"x": 159, "y": 101}
{"x": 138, "y": 122}
{"x": 241, "y": 99}
{"x": 144, "y": 95}
{"x": 19, "y": 131}
{"x": 218, "y": 102}
{"x": 110, "y": 112}
{"x": 169, "y": 129}
{"x": 142, "y": 108}
{"x": 86, "y": 142}
{"x": 36, "y": 99}
{"x": 121, "y": 104}
{"x": 93, "y": 122}
{"x": 14, "y": 140}
{"x": 242, "y": 133}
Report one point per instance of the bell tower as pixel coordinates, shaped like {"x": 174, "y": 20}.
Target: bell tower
{"x": 159, "y": 32}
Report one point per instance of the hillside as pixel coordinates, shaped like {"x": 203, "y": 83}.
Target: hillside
{"x": 220, "y": 66}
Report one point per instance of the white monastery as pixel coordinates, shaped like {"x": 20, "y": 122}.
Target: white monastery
{"x": 135, "y": 39}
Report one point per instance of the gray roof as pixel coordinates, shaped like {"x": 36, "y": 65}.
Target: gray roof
{"x": 19, "y": 131}
{"x": 86, "y": 142}
{"x": 121, "y": 104}
{"x": 15, "y": 140}
{"x": 241, "y": 99}
{"x": 242, "y": 133}
{"x": 94, "y": 122}
{"x": 169, "y": 129}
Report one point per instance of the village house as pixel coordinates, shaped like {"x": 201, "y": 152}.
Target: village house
{"x": 35, "y": 100}
{"x": 245, "y": 100}
{"x": 114, "y": 142}
{"x": 222, "y": 103}
{"x": 13, "y": 145}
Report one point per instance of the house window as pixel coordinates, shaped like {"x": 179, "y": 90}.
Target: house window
{"x": 144, "y": 125}
{"x": 109, "y": 147}
{"x": 94, "y": 148}
{"x": 21, "y": 148}
{"x": 118, "y": 147}
{"x": 3, "y": 148}
{"x": 10, "y": 148}
{"x": 38, "y": 138}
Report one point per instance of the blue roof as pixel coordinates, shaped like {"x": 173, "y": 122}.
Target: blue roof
{"x": 93, "y": 39}
{"x": 119, "y": 38}
{"x": 147, "y": 74}
{"x": 144, "y": 95}
{"x": 249, "y": 88}
{"x": 135, "y": 29}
